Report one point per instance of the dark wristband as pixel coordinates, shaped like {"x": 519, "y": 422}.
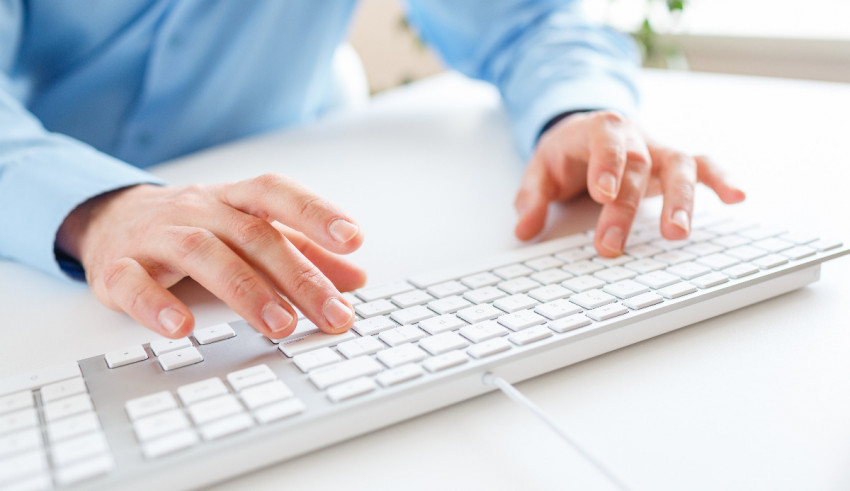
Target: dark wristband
{"x": 557, "y": 119}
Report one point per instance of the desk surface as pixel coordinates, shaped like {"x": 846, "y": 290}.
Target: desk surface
{"x": 757, "y": 398}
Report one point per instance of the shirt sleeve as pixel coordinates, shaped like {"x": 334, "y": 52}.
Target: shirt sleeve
{"x": 43, "y": 177}
{"x": 545, "y": 57}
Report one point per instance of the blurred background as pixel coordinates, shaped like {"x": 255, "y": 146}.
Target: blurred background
{"x": 777, "y": 38}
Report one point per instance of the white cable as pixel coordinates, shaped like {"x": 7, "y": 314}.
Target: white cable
{"x": 516, "y": 396}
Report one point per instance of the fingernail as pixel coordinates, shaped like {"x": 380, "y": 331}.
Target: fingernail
{"x": 613, "y": 239}
{"x": 682, "y": 220}
{"x": 342, "y": 230}
{"x": 276, "y": 317}
{"x": 171, "y": 319}
{"x": 607, "y": 184}
{"x": 337, "y": 313}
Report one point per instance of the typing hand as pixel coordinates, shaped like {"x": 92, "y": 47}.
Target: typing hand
{"x": 608, "y": 156}
{"x": 244, "y": 242}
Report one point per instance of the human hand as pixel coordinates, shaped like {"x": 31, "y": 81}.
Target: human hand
{"x": 243, "y": 241}
{"x": 603, "y": 153}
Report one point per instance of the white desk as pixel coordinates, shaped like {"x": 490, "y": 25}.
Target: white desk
{"x": 758, "y": 398}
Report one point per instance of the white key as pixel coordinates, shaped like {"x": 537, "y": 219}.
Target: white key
{"x": 211, "y": 409}
{"x": 583, "y": 268}
{"x": 354, "y": 388}
{"x": 411, "y": 298}
{"x": 703, "y": 249}
{"x": 688, "y": 270}
{"x": 821, "y": 245}
{"x": 530, "y": 335}
{"x": 798, "y": 252}
{"x": 484, "y": 295}
{"x": 515, "y": 303}
{"x": 304, "y": 328}
{"x": 447, "y": 288}
{"x": 160, "y": 424}
{"x": 211, "y": 334}
{"x": 16, "y": 401}
{"x": 674, "y": 257}
{"x": 19, "y": 442}
{"x": 799, "y": 237}
{"x": 770, "y": 261}
{"x": 362, "y": 346}
{"x": 607, "y": 312}
{"x": 38, "y": 482}
{"x": 151, "y": 404}
{"x": 68, "y": 451}
{"x": 198, "y": 391}
{"x": 699, "y": 235}
{"x": 480, "y": 280}
{"x": 657, "y": 279}
{"x": 344, "y": 371}
{"x": 371, "y": 309}
{"x": 317, "y": 358}
{"x": 373, "y": 293}
{"x": 718, "y": 261}
{"x": 406, "y": 353}
{"x": 746, "y": 252}
{"x": 162, "y": 346}
{"x": 645, "y": 265}
{"x": 521, "y": 319}
{"x": 643, "y": 301}
{"x": 170, "y": 443}
{"x": 313, "y": 341}
{"x": 68, "y": 406}
{"x": 34, "y": 380}
{"x": 73, "y": 426}
{"x": 761, "y": 232}
{"x": 592, "y": 299}
{"x": 615, "y": 274}
{"x": 126, "y": 356}
{"x": 512, "y": 271}
{"x": 479, "y": 313}
{"x": 401, "y": 335}
{"x": 625, "y": 289}
{"x": 610, "y": 262}
{"x": 549, "y": 293}
{"x": 22, "y": 465}
{"x": 643, "y": 251}
{"x": 257, "y": 374}
{"x": 374, "y": 325}
{"x": 443, "y": 323}
{"x": 583, "y": 283}
{"x": 18, "y": 420}
{"x": 568, "y": 323}
{"x": 441, "y": 343}
{"x": 677, "y": 290}
{"x": 85, "y": 470}
{"x": 445, "y": 361}
{"x": 574, "y": 255}
{"x": 670, "y": 245}
{"x": 730, "y": 241}
{"x": 557, "y": 309}
{"x": 711, "y": 279}
{"x": 449, "y": 305}
{"x": 740, "y": 270}
{"x": 400, "y": 374}
{"x": 260, "y": 395}
{"x": 412, "y": 315}
{"x": 180, "y": 358}
{"x": 482, "y": 331}
{"x": 226, "y": 426}
{"x": 550, "y": 276}
{"x": 518, "y": 285}
{"x": 543, "y": 263}
{"x": 350, "y": 298}
{"x": 488, "y": 348}
{"x": 279, "y": 410}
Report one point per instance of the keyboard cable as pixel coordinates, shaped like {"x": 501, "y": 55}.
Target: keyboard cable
{"x": 517, "y": 396}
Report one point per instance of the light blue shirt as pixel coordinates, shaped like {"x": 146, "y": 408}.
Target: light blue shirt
{"x": 92, "y": 91}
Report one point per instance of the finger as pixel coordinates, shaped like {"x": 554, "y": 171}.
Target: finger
{"x": 201, "y": 255}
{"x": 275, "y": 197}
{"x": 608, "y": 156}
{"x": 130, "y": 288}
{"x": 678, "y": 182}
{"x": 615, "y": 220}
{"x": 344, "y": 275}
{"x": 532, "y": 199}
{"x": 711, "y": 175}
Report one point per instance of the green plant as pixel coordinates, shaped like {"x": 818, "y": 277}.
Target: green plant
{"x": 656, "y": 53}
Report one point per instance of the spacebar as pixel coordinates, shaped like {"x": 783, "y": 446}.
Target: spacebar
{"x": 40, "y": 378}
{"x": 313, "y": 341}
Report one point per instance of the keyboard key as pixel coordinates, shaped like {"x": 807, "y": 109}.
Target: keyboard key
{"x": 488, "y": 348}
{"x": 718, "y": 261}
{"x": 515, "y": 303}
{"x": 401, "y": 335}
{"x": 583, "y": 283}
{"x": 20, "y": 442}
{"x": 799, "y": 237}
{"x": 314, "y": 341}
{"x": 643, "y": 301}
{"x": 411, "y": 298}
{"x": 746, "y": 252}
{"x": 34, "y": 380}
{"x": 126, "y": 356}
{"x": 592, "y": 299}
{"x": 374, "y": 325}
{"x": 677, "y": 290}
{"x": 400, "y": 374}
{"x": 770, "y": 261}
{"x": 211, "y": 409}
{"x": 484, "y": 295}
{"x": 180, "y": 358}
{"x": 761, "y": 232}
{"x": 625, "y": 289}
{"x": 85, "y": 470}
{"x": 318, "y": 358}
{"x": 518, "y": 285}
{"x": 64, "y": 453}
{"x": 479, "y": 313}
{"x": 170, "y": 443}
{"x": 610, "y": 262}
{"x": 348, "y": 390}
{"x": 446, "y": 289}
{"x": 18, "y": 420}
{"x": 72, "y": 426}
{"x": 480, "y": 280}
{"x": 575, "y": 255}
{"x": 711, "y": 279}
{"x": 773, "y": 244}
{"x": 607, "y": 312}
{"x": 582, "y": 268}
{"x": 615, "y": 274}
{"x": 304, "y": 328}
{"x": 703, "y": 249}
{"x": 344, "y": 371}
{"x": 557, "y": 309}
{"x": 218, "y": 332}
{"x": 442, "y": 343}
{"x": 798, "y": 252}
{"x": 512, "y": 271}
{"x": 260, "y": 395}
{"x": 443, "y": 323}
{"x": 657, "y": 279}
{"x": 674, "y": 257}
{"x": 371, "y": 309}
{"x": 370, "y": 294}
{"x": 670, "y": 245}
{"x": 198, "y": 391}
{"x": 160, "y": 424}
{"x": 21, "y": 466}
{"x": 740, "y": 270}
{"x": 550, "y": 276}
{"x": 824, "y": 245}
{"x": 162, "y": 346}
{"x": 362, "y": 346}
{"x": 544, "y": 262}
{"x": 568, "y": 323}
{"x": 688, "y": 270}
{"x": 16, "y": 401}
{"x": 279, "y": 410}
{"x": 530, "y": 335}
{"x": 242, "y": 379}
{"x": 549, "y": 293}
{"x": 226, "y": 426}
{"x": 445, "y": 361}
{"x": 412, "y": 315}
{"x": 145, "y": 406}
{"x": 730, "y": 241}
{"x": 37, "y": 482}
{"x": 520, "y": 320}
{"x": 449, "y": 305}
{"x": 68, "y": 406}
{"x": 349, "y": 297}
{"x": 482, "y": 331}
{"x": 645, "y": 265}
{"x": 400, "y": 355}
{"x": 642, "y": 251}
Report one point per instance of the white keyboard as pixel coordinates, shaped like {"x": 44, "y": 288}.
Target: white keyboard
{"x": 189, "y": 412}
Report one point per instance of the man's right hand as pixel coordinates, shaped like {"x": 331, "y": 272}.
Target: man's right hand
{"x": 247, "y": 242}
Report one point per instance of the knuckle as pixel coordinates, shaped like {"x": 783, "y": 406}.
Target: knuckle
{"x": 628, "y": 205}
{"x": 193, "y": 241}
{"x": 115, "y": 273}
{"x": 609, "y": 117}
{"x": 306, "y": 280}
{"x": 270, "y": 181}
{"x": 311, "y": 206}
{"x": 250, "y": 230}
{"x": 242, "y": 286}
{"x": 682, "y": 191}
